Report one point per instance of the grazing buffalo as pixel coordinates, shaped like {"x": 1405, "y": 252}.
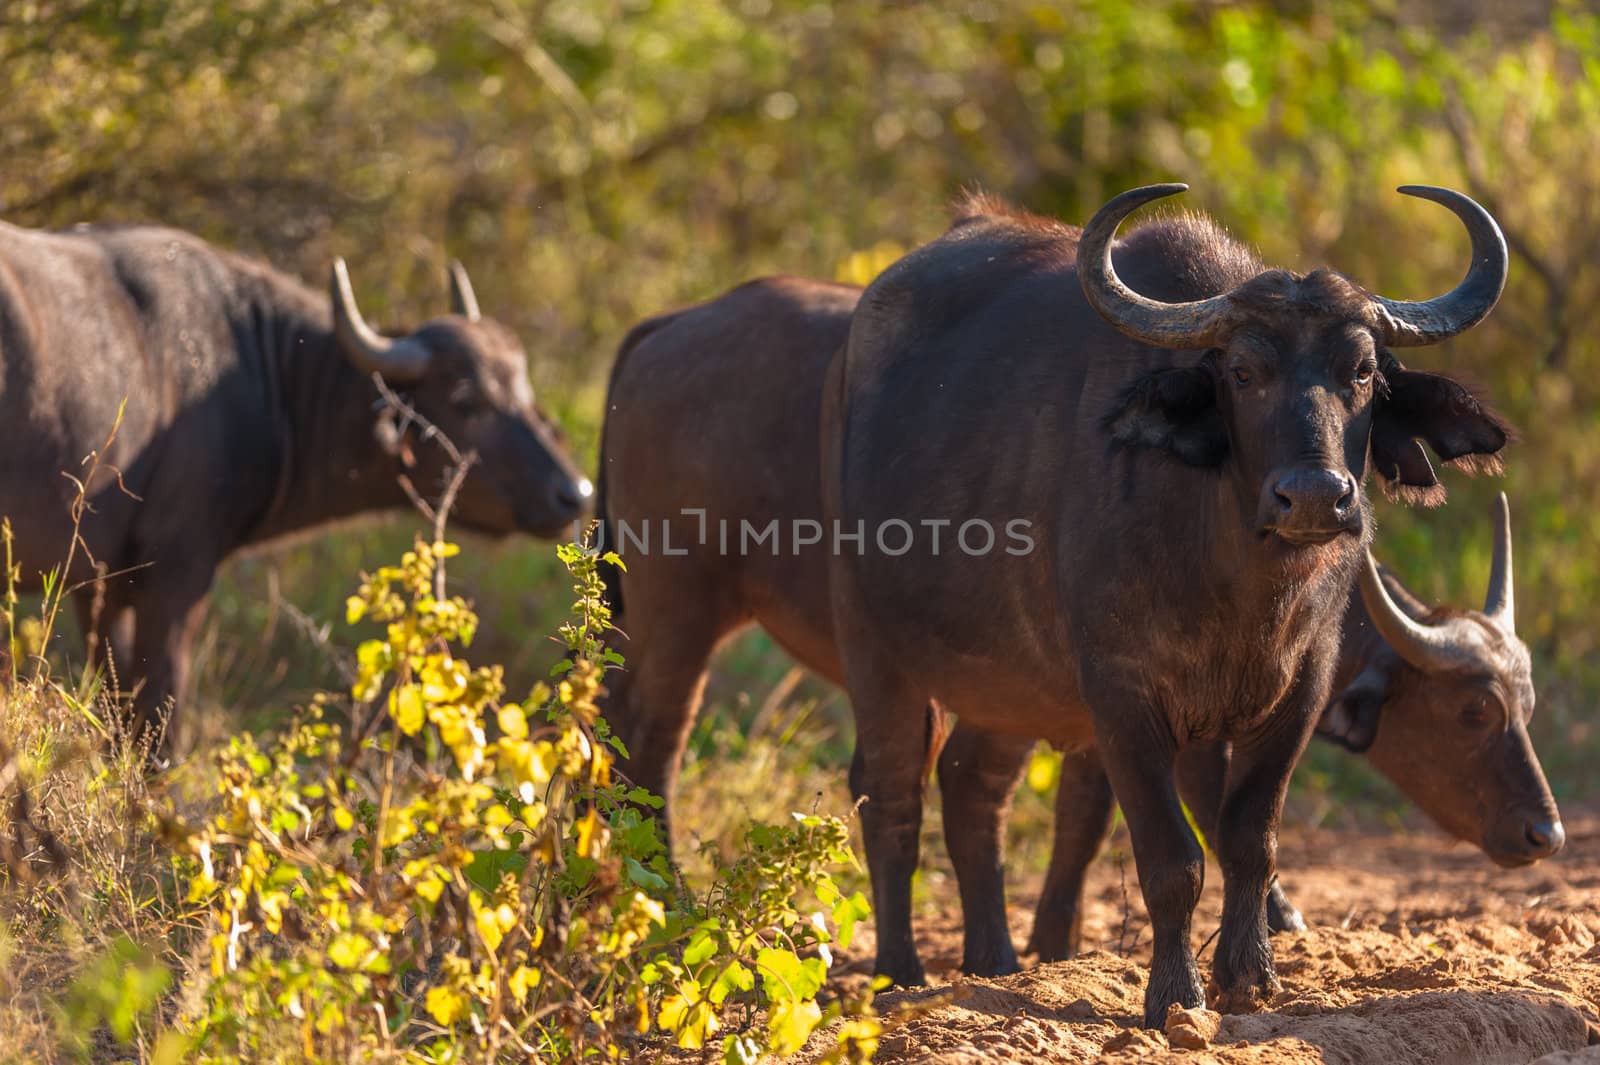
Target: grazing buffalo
{"x": 1437, "y": 698}
{"x": 250, "y": 415}
{"x": 1182, "y": 435}
{"x": 757, "y": 355}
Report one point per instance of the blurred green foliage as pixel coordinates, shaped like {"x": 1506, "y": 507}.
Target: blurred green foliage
{"x": 596, "y": 161}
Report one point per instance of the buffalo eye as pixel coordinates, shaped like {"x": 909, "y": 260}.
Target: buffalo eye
{"x": 1241, "y": 376}
{"x": 1477, "y": 714}
{"x": 1364, "y": 374}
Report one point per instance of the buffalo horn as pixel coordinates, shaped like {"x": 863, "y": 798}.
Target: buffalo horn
{"x": 399, "y": 360}
{"x": 1165, "y": 325}
{"x": 1410, "y": 325}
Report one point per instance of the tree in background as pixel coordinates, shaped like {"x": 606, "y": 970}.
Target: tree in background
{"x": 595, "y": 161}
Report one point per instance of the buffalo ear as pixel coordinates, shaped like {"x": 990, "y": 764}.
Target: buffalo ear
{"x": 1351, "y": 718}
{"x": 1460, "y": 429}
{"x": 1174, "y": 411}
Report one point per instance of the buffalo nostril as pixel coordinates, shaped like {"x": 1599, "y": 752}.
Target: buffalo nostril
{"x": 567, "y": 497}
{"x": 1544, "y": 837}
{"x": 1347, "y": 500}
{"x": 1285, "y": 503}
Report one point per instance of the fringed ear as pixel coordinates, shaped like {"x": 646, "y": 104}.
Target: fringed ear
{"x": 1460, "y": 428}
{"x": 1351, "y": 717}
{"x": 1174, "y": 411}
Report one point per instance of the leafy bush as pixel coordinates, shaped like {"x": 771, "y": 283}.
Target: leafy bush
{"x": 455, "y": 876}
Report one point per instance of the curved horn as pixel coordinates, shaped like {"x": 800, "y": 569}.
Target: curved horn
{"x": 463, "y": 300}
{"x": 1410, "y": 325}
{"x": 397, "y": 360}
{"x": 1166, "y": 325}
{"x": 1501, "y": 603}
{"x": 1431, "y": 648}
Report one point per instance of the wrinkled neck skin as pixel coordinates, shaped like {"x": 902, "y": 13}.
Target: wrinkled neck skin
{"x": 1223, "y": 644}
{"x": 331, "y": 466}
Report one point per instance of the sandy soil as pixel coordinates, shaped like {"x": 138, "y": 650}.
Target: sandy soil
{"x": 1419, "y": 951}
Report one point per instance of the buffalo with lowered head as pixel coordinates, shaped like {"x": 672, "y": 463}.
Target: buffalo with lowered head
{"x": 1453, "y": 732}
{"x": 1437, "y": 698}
{"x": 1186, "y": 432}
{"x": 251, "y": 414}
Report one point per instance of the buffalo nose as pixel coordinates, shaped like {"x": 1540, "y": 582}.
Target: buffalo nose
{"x": 1310, "y": 504}
{"x": 573, "y": 496}
{"x": 1326, "y": 491}
{"x": 1544, "y": 837}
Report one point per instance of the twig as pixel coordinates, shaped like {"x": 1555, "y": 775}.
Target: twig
{"x": 460, "y": 463}
{"x": 316, "y": 635}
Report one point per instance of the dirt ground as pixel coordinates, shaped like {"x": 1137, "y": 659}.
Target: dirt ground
{"x": 1420, "y": 950}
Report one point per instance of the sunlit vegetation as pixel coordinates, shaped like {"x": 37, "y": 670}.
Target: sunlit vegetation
{"x": 593, "y": 162}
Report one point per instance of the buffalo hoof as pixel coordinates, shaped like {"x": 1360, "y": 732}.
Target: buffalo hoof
{"x": 1243, "y": 995}
{"x": 1053, "y": 940}
{"x": 1281, "y": 914}
{"x": 1000, "y": 961}
{"x": 902, "y": 971}
{"x": 1172, "y": 984}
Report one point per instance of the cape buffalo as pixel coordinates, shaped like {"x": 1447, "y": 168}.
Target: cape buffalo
{"x": 250, "y": 415}
{"x": 757, "y": 355}
{"x": 1184, "y": 433}
{"x": 1437, "y": 698}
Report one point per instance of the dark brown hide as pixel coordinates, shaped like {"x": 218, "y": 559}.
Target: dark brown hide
{"x": 246, "y": 420}
{"x": 1189, "y": 570}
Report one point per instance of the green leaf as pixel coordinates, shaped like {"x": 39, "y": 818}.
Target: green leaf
{"x": 733, "y": 978}
{"x": 784, "y": 977}
{"x": 846, "y": 912}
{"x": 701, "y": 946}
{"x": 643, "y": 877}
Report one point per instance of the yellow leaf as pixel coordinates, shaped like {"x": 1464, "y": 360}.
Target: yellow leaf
{"x": 405, "y": 706}
{"x": 523, "y": 981}
{"x": 272, "y": 904}
{"x": 587, "y": 831}
{"x": 446, "y": 1004}
{"x": 700, "y": 1022}
{"x": 347, "y": 950}
{"x": 488, "y": 925}
{"x": 671, "y": 1013}
{"x": 513, "y": 722}
{"x": 790, "y": 1023}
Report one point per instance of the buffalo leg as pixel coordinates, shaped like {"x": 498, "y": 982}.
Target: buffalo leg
{"x": 167, "y": 617}
{"x": 1246, "y": 847}
{"x": 1083, "y": 820}
{"x": 1139, "y": 763}
{"x": 887, "y": 774}
{"x": 978, "y": 773}
{"x": 1202, "y": 781}
{"x": 652, "y": 704}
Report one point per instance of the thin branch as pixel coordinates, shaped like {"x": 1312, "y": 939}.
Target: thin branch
{"x": 460, "y": 464}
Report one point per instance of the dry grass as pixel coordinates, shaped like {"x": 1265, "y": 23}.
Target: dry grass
{"x": 84, "y": 874}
